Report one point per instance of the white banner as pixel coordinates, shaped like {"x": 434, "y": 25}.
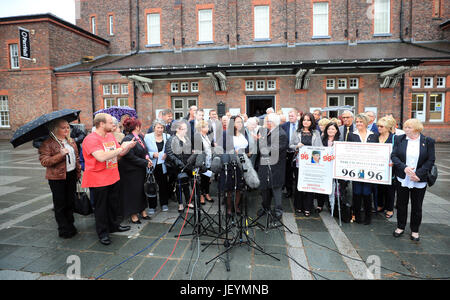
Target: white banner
{"x": 315, "y": 170}
{"x": 365, "y": 162}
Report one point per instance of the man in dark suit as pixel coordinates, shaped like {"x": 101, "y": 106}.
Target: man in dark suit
{"x": 347, "y": 126}
{"x": 290, "y": 128}
{"x": 272, "y": 148}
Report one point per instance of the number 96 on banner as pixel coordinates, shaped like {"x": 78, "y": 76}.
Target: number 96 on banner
{"x": 362, "y": 174}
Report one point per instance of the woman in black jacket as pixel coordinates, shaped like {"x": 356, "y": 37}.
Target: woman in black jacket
{"x": 413, "y": 157}
{"x": 178, "y": 150}
{"x": 362, "y": 190}
{"x": 132, "y": 169}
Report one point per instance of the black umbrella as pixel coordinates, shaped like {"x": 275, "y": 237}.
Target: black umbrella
{"x": 39, "y": 127}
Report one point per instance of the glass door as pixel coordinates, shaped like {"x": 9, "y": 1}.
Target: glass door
{"x": 418, "y": 107}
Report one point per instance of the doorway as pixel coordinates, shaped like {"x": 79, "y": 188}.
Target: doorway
{"x": 257, "y": 105}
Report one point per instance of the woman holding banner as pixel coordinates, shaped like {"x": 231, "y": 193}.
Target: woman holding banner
{"x": 386, "y": 193}
{"x": 413, "y": 157}
{"x": 362, "y": 190}
{"x": 330, "y": 135}
{"x": 306, "y": 135}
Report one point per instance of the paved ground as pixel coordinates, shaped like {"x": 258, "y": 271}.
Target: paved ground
{"x": 317, "y": 248}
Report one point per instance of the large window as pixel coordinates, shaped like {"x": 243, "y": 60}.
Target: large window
{"x": 382, "y": 16}
{"x": 4, "y": 112}
{"x": 180, "y": 106}
{"x": 14, "y": 56}
{"x": 341, "y": 100}
{"x": 262, "y": 22}
{"x": 320, "y": 19}
{"x": 115, "y": 94}
{"x": 154, "y": 29}
{"x": 205, "y": 25}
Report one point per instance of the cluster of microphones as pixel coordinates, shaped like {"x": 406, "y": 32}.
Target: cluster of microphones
{"x": 225, "y": 161}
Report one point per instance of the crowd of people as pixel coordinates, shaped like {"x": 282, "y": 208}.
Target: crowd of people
{"x": 118, "y": 157}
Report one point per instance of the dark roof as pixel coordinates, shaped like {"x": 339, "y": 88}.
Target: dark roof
{"x": 54, "y": 18}
{"x": 273, "y": 57}
{"x": 445, "y": 24}
{"x": 90, "y": 65}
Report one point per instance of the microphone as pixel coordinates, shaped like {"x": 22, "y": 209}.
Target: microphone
{"x": 216, "y": 164}
{"x": 226, "y": 159}
{"x": 200, "y": 162}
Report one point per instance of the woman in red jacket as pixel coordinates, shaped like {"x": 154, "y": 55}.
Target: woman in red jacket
{"x": 59, "y": 154}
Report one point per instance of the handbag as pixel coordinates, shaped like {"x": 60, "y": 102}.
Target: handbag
{"x": 82, "y": 205}
{"x": 150, "y": 186}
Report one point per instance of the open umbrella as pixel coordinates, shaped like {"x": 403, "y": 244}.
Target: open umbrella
{"x": 118, "y": 111}
{"x": 39, "y": 127}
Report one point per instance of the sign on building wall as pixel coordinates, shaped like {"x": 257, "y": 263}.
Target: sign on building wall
{"x": 24, "y": 41}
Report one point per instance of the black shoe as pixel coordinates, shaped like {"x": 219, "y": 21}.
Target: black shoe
{"x": 261, "y": 212}
{"x": 123, "y": 228}
{"x": 395, "y": 234}
{"x": 278, "y": 214}
{"x": 414, "y": 239}
{"x": 146, "y": 217}
{"x": 105, "y": 240}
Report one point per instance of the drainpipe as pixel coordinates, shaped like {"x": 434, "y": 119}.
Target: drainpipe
{"x": 91, "y": 74}
{"x": 137, "y": 27}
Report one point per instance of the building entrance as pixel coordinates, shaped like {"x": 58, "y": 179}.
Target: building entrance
{"x": 257, "y": 105}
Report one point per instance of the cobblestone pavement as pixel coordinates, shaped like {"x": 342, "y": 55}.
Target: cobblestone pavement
{"x": 307, "y": 248}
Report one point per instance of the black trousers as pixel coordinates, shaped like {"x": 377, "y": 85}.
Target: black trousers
{"x": 64, "y": 195}
{"x": 386, "y": 196}
{"x": 164, "y": 189}
{"x": 302, "y": 200}
{"x": 268, "y": 194}
{"x": 416, "y": 195}
{"x": 205, "y": 182}
{"x": 290, "y": 169}
{"x": 107, "y": 205}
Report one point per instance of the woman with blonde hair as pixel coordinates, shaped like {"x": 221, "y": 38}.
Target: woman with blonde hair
{"x": 386, "y": 193}
{"x": 413, "y": 157}
{"x": 362, "y": 190}
{"x": 59, "y": 154}
{"x": 323, "y": 123}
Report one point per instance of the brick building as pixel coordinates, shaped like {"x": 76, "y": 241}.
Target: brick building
{"x": 390, "y": 56}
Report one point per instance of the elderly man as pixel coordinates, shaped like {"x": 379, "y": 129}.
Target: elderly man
{"x": 191, "y": 114}
{"x": 347, "y": 126}
{"x": 252, "y": 133}
{"x": 372, "y": 125}
{"x": 272, "y": 146}
{"x": 290, "y": 128}
{"x": 317, "y": 113}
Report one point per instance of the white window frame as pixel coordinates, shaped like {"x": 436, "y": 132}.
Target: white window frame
{"x": 442, "y": 85}
{"x": 106, "y": 89}
{"x": 331, "y": 80}
{"x": 4, "y": 112}
{"x": 14, "y": 56}
{"x": 320, "y": 19}
{"x": 111, "y": 24}
{"x": 105, "y": 100}
{"x": 154, "y": 29}
{"x": 115, "y": 89}
{"x": 442, "y": 108}
{"x": 184, "y": 88}
{"x": 119, "y": 100}
{"x": 124, "y": 89}
{"x": 93, "y": 25}
{"x": 274, "y": 85}
{"x": 263, "y": 82}
{"x": 205, "y": 25}
{"x": 430, "y": 80}
{"x": 261, "y": 22}
{"x": 418, "y": 80}
{"x": 339, "y": 81}
{"x": 382, "y": 17}
{"x": 249, "y": 85}
{"x": 194, "y": 86}
{"x": 174, "y": 87}
{"x": 355, "y": 86}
